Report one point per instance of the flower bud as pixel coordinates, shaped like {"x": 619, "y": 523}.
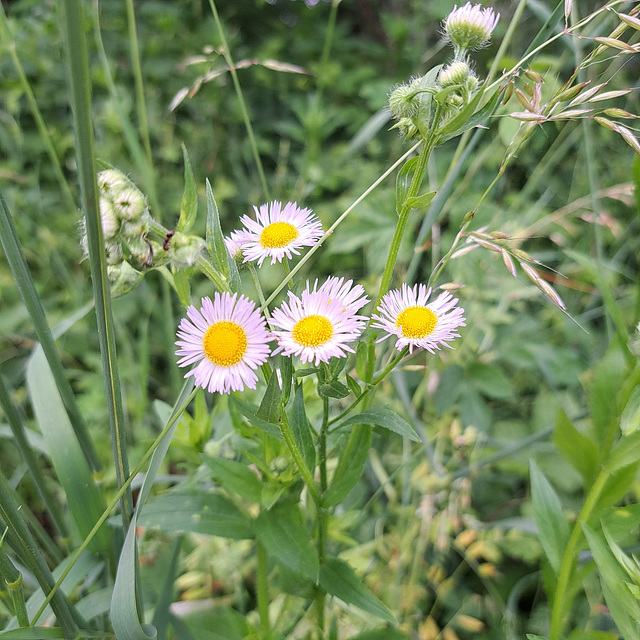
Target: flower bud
{"x": 123, "y": 278}
{"x": 402, "y": 101}
{"x": 469, "y": 27}
{"x": 109, "y": 218}
{"x": 130, "y": 204}
{"x": 457, "y": 73}
{"x": 112, "y": 181}
{"x": 184, "y": 250}
{"x": 234, "y": 243}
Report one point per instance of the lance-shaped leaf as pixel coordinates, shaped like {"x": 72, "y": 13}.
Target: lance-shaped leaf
{"x": 189, "y": 204}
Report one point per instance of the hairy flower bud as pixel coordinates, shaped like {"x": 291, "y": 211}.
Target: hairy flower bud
{"x": 123, "y": 278}
{"x": 457, "y": 73}
{"x": 130, "y": 204}
{"x": 469, "y": 27}
{"x": 402, "y": 101}
{"x": 112, "y": 181}
{"x": 109, "y": 218}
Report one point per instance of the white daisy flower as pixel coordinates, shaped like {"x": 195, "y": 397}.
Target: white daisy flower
{"x": 319, "y": 325}
{"x": 405, "y": 313}
{"x": 279, "y": 232}
{"x": 235, "y": 242}
{"x": 470, "y": 27}
{"x": 228, "y": 338}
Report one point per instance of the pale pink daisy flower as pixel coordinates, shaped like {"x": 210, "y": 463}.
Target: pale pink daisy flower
{"x": 235, "y": 242}
{"x": 405, "y": 313}
{"x": 317, "y": 327}
{"x": 228, "y": 338}
{"x": 278, "y": 232}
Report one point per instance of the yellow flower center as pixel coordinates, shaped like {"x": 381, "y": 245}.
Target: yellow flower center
{"x": 416, "y": 322}
{"x": 225, "y": 343}
{"x": 312, "y": 331}
{"x": 278, "y": 234}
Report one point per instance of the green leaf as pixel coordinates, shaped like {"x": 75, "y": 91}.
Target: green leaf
{"x": 301, "y": 429}
{"x": 553, "y": 530}
{"x": 271, "y": 406}
{"x": 630, "y": 419}
{"x": 490, "y": 381}
{"x": 576, "y": 448}
{"x": 196, "y": 512}
{"x": 420, "y": 201}
{"x": 84, "y": 498}
{"x": 385, "y": 418}
{"x": 286, "y": 373}
{"x": 350, "y": 465}
{"x": 354, "y": 387}
{"x": 286, "y": 540}
{"x": 249, "y": 412}
{"x": 189, "y": 204}
{"x": 625, "y": 452}
{"x": 161, "y": 613}
{"x": 43, "y": 633}
{"x": 466, "y": 123}
{"x": 215, "y": 240}
{"x": 533, "y": 636}
{"x": 236, "y": 477}
{"x": 219, "y": 625}
{"x": 338, "y": 579}
{"x": 366, "y": 358}
{"x": 403, "y": 182}
{"x": 333, "y": 389}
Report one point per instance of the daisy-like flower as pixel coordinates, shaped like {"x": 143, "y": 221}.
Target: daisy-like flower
{"x": 235, "y": 242}
{"x": 405, "y": 313}
{"x": 228, "y": 338}
{"x": 319, "y": 325}
{"x": 470, "y": 27}
{"x": 278, "y": 232}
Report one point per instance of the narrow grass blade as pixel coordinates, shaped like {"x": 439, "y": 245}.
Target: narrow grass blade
{"x": 24, "y": 282}
{"x": 83, "y": 496}
{"x": 78, "y": 65}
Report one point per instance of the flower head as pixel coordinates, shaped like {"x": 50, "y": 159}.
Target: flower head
{"x": 470, "y": 27}
{"x": 228, "y": 338}
{"x": 405, "y": 313}
{"x": 278, "y": 232}
{"x": 235, "y": 242}
{"x": 319, "y": 325}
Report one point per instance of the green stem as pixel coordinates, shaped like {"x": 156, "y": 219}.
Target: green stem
{"x": 139, "y": 85}
{"x": 35, "y": 112}
{"x": 561, "y": 596}
{"x": 217, "y": 278}
{"x": 258, "y": 286}
{"x": 18, "y": 430}
{"x": 263, "y": 591}
{"x": 78, "y": 66}
{"x": 323, "y": 513}
{"x": 340, "y": 219}
{"x": 13, "y": 579}
{"x": 287, "y": 434}
{"x": 403, "y": 218}
{"x": 24, "y": 282}
{"x": 243, "y": 106}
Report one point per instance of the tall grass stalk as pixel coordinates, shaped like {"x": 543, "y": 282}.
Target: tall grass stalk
{"x": 13, "y": 580}
{"x": 78, "y": 68}
{"x": 243, "y": 105}
{"x": 26, "y": 287}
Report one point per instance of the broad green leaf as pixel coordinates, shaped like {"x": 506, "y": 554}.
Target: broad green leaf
{"x": 553, "y": 530}
{"x": 630, "y": 419}
{"x": 381, "y": 634}
{"x": 625, "y": 452}
{"x": 215, "y": 240}
{"x": 84, "y": 498}
{"x": 236, "y": 477}
{"x": 43, "y": 633}
{"x": 271, "y": 406}
{"x": 301, "y": 429}
{"x": 161, "y": 613}
{"x": 196, "y": 512}
{"x": 285, "y": 539}
{"x": 189, "y": 204}
{"x": 333, "y": 389}
{"x": 623, "y": 606}
{"x": 249, "y": 412}
{"x": 616, "y": 486}
{"x": 350, "y": 465}
{"x": 225, "y": 624}
{"x": 420, "y": 201}
{"x": 463, "y": 117}
{"x": 622, "y": 522}
{"x": 403, "y": 182}
{"x": 354, "y": 386}
{"x": 575, "y": 447}
{"x": 490, "y": 381}
{"x": 476, "y": 119}
{"x": 338, "y": 579}
{"x": 385, "y": 418}
{"x": 286, "y": 372}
